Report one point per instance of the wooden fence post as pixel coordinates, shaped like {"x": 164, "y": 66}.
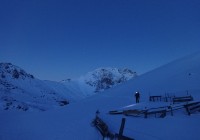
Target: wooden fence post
{"x": 122, "y": 128}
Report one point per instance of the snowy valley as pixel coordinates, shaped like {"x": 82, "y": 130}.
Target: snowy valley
{"x": 22, "y": 91}
{"x": 74, "y": 121}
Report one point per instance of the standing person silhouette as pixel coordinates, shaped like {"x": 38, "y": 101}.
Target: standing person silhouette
{"x": 137, "y": 97}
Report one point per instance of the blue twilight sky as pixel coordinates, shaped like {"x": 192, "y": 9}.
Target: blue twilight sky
{"x": 59, "y": 39}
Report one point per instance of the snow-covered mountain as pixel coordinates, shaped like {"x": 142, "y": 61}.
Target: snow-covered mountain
{"x": 22, "y": 91}
{"x": 104, "y": 78}
{"x": 74, "y": 121}
{"x": 100, "y": 80}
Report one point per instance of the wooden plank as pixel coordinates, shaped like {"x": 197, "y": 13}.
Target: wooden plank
{"x": 195, "y": 107}
{"x": 191, "y": 104}
{"x": 133, "y": 112}
{"x": 115, "y": 112}
{"x": 155, "y": 98}
{"x": 121, "y": 130}
{"x": 182, "y": 99}
{"x": 192, "y": 107}
{"x": 101, "y": 126}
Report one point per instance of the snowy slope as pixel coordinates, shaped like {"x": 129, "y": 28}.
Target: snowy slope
{"x": 74, "y": 121}
{"x": 21, "y": 91}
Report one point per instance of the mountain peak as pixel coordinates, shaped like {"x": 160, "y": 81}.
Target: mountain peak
{"x": 8, "y": 70}
{"x": 104, "y": 78}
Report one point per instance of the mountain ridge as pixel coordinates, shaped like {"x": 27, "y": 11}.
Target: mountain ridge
{"x": 22, "y": 91}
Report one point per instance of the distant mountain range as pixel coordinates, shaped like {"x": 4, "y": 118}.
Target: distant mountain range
{"x": 22, "y": 91}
